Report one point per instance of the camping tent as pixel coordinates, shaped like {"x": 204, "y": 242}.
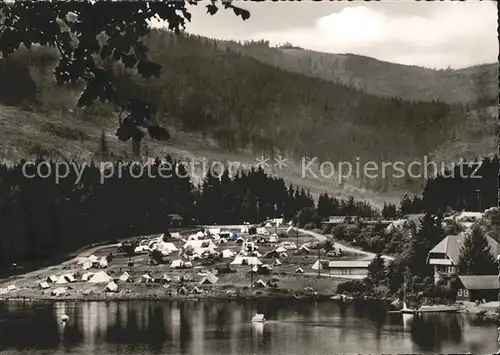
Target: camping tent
{"x": 103, "y": 262}
{"x": 44, "y": 285}
{"x": 299, "y": 270}
{"x": 11, "y": 288}
{"x": 52, "y": 278}
{"x": 260, "y": 283}
{"x": 280, "y": 250}
{"x": 166, "y": 278}
{"x": 209, "y": 279}
{"x": 318, "y": 265}
{"x": 187, "y": 265}
{"x": 111, "y": 287}
{"x": 146, "y": 278}
{"x": 87, "y": 264}
{"x": 61, "y": 280}
{"x": 226, "y": 254}
{"x": 273, "y": 238}
{"x": 93, "y": 259}
{"x": 87, "y": 276}
{"x": 277, "y": 262}
{"x": 176, "y": 264}
{"x": 234, "y": 236}
{"x": 100, "y": 277}
{"x": 59, "y": 291}
{"x": 245, "y": 260}
{"x": 195, "y": 290}
{"x": 125, "y": 276}
{"x": 69, "y": 277}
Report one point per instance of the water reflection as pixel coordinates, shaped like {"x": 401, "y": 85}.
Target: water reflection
{"x": 207, "y": 327}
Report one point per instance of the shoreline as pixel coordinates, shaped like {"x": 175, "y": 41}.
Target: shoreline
{"x": 135, "y": 297}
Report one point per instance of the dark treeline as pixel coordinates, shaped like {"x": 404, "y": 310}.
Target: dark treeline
{"x": 268, "y": 109}
{"x": 467, "y": 186}
{"x": 39, "y": 217}
{"x": 472, "y": 87}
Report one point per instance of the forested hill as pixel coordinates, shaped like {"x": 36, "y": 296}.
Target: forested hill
{"x": 245, "y": 103}
{"x": 378, "y": 77}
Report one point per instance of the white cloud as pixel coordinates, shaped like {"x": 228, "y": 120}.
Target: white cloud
{"x": 456, "y": 34}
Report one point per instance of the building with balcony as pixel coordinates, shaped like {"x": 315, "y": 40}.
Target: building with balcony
{"x": 444, "y": 256}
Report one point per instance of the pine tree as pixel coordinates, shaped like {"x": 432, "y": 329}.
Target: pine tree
{"x": 405, "y": 205}
{"x": 475, "y": 255}
{"x": 377, "y": 269}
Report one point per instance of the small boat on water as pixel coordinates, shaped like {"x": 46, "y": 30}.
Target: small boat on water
{"x": 258, "y": 318}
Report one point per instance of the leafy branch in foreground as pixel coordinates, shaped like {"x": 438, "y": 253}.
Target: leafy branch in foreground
{"x": 90, "y": 35}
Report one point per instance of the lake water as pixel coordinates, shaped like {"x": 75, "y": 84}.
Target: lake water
{"x": 225, "y": 327}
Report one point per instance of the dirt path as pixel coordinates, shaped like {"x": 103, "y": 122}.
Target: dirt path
{"x": 366, "y": 254}
{"x": 35, "y": 273}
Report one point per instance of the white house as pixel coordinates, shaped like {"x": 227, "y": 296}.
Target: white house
{"x": 444, "y": 256}
{"x": 357, "y": 268}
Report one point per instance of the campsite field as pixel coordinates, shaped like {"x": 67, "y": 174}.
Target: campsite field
{"x": 238, "y": 283}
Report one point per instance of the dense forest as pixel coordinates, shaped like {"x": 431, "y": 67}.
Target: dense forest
{"x": 262, "y": 107}
{"x": 39, "y": 217}
{"x": 465, "y": 86}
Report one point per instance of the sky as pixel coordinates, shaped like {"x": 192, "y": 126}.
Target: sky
{"x": 429, "y": 34}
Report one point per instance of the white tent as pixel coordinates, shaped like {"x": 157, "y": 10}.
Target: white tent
{"x": 111, "y": 287}
{"x": 69, "y": 277}
{"x": 166, "y": 278}
{"x": 87, "y": 264}
{"x": 318, "y": 265}
{"x": 87, "y": 276}
{"x": 273, "y": 238}
{"x": 200, "y": 234}
{"x": 260, "y": 283}
{"x": 238, "y": 260}
{"x": 280, "y": 250}
{"x": 188, "y": 264}
{"x": 11, "y": 288}
{"x": 277, "y": 262}
{"x": 176, "y": 264}
{"x": 256, "y": 253}
{"x": 125, "y": 276}
{"x": 226, "y": 254}
{"x": 175, "y": 235}
{"x": 299, "y": 270}
{"x": 103, "y": 262}
{"x": 100, "y": 277}
{"x": 61, "y": 280}
{"x": 245, "y": 260}
{"x": 209, "y": 279}
{"x": 200, "y": 246}
{"x": 93, "y": 259}
{"x": 52, "y": 278}
{"x": 169, "y": 246}
{"x": 146, "y": 278}
{"x": 44, "y": 285}
{"x": 58, "y": 291}
{"x": 196, "y": 290}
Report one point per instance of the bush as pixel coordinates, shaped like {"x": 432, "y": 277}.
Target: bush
{"x": 352, "y": 287}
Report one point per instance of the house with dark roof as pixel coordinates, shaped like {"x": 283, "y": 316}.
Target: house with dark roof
{"x": 478, "y": 287}
{"x": 444, "y": 256}
{"x": 175, "y": 220}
